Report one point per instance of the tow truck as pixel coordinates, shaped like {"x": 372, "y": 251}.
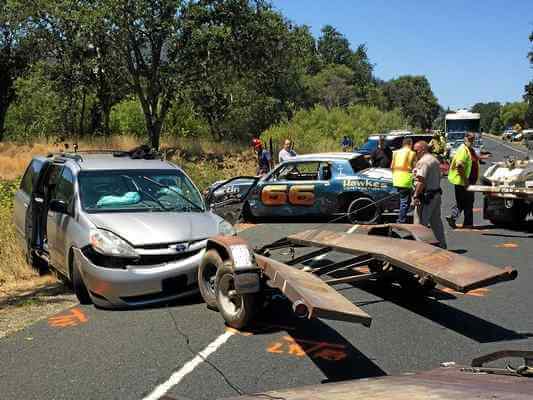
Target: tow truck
{"x": 508, "y": 188}
{"x": 235, "y": 278}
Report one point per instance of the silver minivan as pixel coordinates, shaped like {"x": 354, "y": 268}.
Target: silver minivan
{"x": 125, "y": 231}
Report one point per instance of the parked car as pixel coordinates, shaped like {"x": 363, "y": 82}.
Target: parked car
{"x": 124, "y": 231}
{"x": 326, "y": 185}
{"x": 517, "y": 137}
{"x": 508, "y": 134}
{"x": 393, "y": 140}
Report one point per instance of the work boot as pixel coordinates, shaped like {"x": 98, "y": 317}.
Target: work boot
{"x": 451, "y": 221}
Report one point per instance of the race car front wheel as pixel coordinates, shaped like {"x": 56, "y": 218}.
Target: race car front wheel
{"x": 363, "y": 210}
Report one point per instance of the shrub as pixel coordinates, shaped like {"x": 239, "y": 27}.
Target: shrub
{"x": 319, "y": 129}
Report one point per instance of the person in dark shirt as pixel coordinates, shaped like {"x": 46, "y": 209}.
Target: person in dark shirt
{"x": 381, "y": 157}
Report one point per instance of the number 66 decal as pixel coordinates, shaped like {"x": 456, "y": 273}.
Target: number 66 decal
{"x": 299, "y": 195}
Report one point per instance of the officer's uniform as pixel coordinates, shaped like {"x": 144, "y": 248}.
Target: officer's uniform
{"x": 402, "y": 178}
{"x": 428, "y": 213}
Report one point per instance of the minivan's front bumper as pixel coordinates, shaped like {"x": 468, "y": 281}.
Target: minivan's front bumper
{"x": 139, "y": 285}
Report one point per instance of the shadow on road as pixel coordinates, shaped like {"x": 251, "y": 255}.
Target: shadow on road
{"x": 336, "y": 357}
{"x": 464, "y": 323}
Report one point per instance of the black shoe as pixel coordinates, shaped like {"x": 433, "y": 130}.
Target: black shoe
{"x": 451, "y": 222}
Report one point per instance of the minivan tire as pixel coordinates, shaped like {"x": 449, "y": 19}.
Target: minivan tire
{"x": 78, "y": 286}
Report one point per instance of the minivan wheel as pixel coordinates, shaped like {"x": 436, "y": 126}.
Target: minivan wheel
{"x": 207, "y": 275}
{"x": 78, "y": 286}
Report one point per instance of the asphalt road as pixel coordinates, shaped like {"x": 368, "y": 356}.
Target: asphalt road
{"x": 87, "y": 353}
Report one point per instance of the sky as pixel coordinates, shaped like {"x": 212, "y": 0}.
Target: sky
{"x": 471, "y": 51}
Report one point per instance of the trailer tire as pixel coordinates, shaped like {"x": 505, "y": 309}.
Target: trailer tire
{"x": 369, "y": 215}
{"x": 236, "y": 309}
{"x": 207, "y": 272}
{"x": 505, "y": 216}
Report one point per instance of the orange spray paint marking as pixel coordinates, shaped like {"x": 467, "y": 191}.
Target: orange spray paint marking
{"x": 481, "y": 292}
{"x": 300, "y": 347}
{"x": 74, "y": 317}
{"x": 507, "y": 246}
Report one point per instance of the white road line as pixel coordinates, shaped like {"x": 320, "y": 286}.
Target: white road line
{"x": 178, "y": 376}
{"x": 352, "y": 229}
{"x": 505, "y": 145}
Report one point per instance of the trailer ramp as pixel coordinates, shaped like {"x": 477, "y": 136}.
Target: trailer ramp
{"x": 451, "y": 270}
{"x": 318, "y": 298}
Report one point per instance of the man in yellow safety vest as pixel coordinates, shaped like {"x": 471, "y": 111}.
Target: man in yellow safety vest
{"x": 403, "y": 162}
{"x": 461, "y": 169}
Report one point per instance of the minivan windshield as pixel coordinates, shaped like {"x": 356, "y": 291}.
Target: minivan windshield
{"x": 138, "y": 190}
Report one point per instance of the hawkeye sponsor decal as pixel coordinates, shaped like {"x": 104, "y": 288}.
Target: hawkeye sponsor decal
{"x": 367, "y": 184}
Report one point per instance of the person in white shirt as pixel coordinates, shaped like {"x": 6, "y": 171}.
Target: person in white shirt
{"x": 286, "y": 152}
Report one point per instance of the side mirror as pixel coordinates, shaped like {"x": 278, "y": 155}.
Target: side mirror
{"x": 58, "y": 206}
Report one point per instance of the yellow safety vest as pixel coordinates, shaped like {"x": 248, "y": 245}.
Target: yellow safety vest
{"x": 402, "y": 167}
{"x": 461, "y": 155}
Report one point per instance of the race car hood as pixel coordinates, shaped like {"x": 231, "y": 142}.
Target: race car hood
{"x": 159, "y": 227}
{"x": 383, "y": 174}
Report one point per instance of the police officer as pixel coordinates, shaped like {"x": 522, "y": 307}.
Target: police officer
{"x": 461, "y": 168}
{"x": 427, "y": 197}
{"x": 403, "y": 162}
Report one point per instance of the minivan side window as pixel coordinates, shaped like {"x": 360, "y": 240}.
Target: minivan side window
{"x": 64, "y": 189}
{"x": 30, "y": 176}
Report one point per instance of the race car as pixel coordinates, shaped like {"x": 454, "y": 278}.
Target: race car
{"x": 323, "y": 185}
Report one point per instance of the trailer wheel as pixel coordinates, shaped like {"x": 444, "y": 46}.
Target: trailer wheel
{"x": 236, "y": 309}
{"x": 363, "y": 210}
{"x": 207, "y": 272}
{"x": 498, "y": 213}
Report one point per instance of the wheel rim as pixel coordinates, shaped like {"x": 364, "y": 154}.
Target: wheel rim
{"x": 209, "y": 278}
{"x": 362, "y": 210}
{"x": 229, "y": 301}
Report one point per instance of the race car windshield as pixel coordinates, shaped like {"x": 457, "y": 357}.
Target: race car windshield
{"x": 137, "y": 191}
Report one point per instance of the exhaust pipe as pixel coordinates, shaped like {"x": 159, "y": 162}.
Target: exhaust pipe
{"x": 300, "y": 309}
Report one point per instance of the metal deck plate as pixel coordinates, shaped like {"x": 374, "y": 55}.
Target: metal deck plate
{"x": 449, "y": 269}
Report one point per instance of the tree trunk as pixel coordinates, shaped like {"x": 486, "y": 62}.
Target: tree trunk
{"x": 82, "y": 112}
{"x": 3, "y": 112}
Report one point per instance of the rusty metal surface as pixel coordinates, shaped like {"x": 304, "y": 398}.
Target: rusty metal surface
{"x": 439, "y": 384}
{"x": 419, "y": 232}
{"x": 226, "y": 242}
{"x": 498, "y": 355}
{"x": 449, "y": 269}
{"x": 321, "y": 300}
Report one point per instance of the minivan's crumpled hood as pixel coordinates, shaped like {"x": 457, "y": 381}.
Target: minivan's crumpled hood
{"x": 158, "y": 227}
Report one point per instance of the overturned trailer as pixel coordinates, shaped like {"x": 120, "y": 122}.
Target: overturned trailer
{"x": 234, "y": 279}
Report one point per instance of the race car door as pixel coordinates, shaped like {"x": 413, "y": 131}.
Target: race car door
{"x": 295, "y": 190}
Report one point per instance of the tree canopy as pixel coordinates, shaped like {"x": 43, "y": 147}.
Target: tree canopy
{"x": 226, "y": 68}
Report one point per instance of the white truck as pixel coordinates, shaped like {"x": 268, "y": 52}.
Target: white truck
{"x": 457, "y": 124}
{"x": 508, "y": 188}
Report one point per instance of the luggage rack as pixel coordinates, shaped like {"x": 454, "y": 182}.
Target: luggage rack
{"x": 138, "y": 153}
